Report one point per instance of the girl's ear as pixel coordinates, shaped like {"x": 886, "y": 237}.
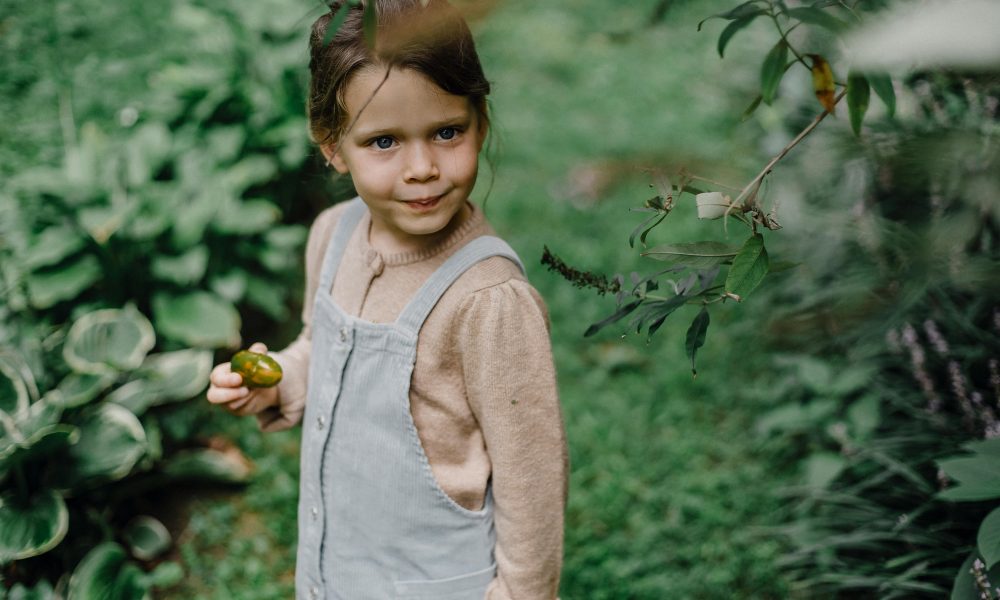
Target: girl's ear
{"x": 333, "y": 157}
{"x": 483, "y": 128}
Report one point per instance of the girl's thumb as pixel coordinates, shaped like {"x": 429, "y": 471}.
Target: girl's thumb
{"x": 259, "y": 348}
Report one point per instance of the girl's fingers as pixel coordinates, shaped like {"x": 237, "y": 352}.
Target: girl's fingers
{"x": 223, "y": 376}
{"x": 258, "y": 347}
{"x": 224, "y": 395}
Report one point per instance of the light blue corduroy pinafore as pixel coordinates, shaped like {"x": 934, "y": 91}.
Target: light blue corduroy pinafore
{"x": 373, "y": 522}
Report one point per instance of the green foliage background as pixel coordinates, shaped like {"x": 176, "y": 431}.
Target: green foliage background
{"x": 727, "y": 485}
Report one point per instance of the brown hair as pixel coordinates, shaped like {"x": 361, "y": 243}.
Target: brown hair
{"x": 428, "y": 36}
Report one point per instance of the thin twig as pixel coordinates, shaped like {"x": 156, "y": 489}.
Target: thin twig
{"x": 755, "y": 183}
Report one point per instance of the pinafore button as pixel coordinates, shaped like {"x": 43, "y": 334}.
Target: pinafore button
{"x": 343, "y": 334}
{"x": 320, "y": 422}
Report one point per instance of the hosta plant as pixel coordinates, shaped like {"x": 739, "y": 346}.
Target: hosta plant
{"x": 79, "y": 442}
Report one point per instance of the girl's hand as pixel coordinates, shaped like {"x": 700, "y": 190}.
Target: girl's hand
{"x": 227, "y": 390}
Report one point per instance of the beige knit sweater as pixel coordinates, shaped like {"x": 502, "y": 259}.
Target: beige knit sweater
{"x": 483, "y": 391}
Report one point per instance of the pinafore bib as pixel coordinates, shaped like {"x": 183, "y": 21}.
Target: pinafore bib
{"x": 373, "y": 522}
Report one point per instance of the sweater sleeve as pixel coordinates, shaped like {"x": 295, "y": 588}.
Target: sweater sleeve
{"x": 511, "y": 385}
{"x": 294, "y": 359}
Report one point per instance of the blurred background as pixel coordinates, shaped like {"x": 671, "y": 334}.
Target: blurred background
{"x": 839, "y": 440}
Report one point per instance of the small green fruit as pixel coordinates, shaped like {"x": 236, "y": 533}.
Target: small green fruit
{"x": 258, "y": 370}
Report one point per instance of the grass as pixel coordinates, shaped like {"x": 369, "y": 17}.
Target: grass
{"x": 669, "y": 490}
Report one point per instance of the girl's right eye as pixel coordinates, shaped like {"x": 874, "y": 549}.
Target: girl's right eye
{"x": 382, "y": 142}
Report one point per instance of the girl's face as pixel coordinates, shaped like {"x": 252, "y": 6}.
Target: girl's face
{"x": 412, "y": 154}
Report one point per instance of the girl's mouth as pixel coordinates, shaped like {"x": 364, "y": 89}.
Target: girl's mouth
{"x": 423, "y": 204}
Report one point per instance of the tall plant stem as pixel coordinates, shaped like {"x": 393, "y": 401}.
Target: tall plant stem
{"x": 755, "y": 182}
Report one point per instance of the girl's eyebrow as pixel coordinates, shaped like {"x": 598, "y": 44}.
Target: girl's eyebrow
{"x": 459, "y": 118}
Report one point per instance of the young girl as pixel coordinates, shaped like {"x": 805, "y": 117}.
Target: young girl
{"x": 433, "y": 461}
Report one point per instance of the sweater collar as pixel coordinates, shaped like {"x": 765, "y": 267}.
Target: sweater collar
{"x": 376, "y": 260}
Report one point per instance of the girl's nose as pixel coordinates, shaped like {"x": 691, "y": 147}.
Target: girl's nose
{"x": 420, "y": 165}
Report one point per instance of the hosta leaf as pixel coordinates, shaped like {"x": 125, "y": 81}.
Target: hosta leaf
{"x": 105, "y": 341}
{"x": 987, "y": 447}
{"x": 246, "y": 216}
{"x": 146, "y": 537}
{"x": 749, "y": 267}
{"x": 31, "y": 527}
{"x": 77, "y": 389}
{"x": 267, "y": 297}
{"x": 105, "y": 573}
{"x": 184, "y": 270}
{"x": 42, "y": 591}
{"x": 13, "y": 390}
{"x": 988, "y": 539}
{"x": 858, "y": 94}
{"x": 165, "y": 377}
{"x": 38, "y": 445}
{"x": 696, "y": 337}
{"x": 48, "y": 287}
{"x": 247, "y": 172}
{"x": 112, "y": 441}
{"x": 697, "y": 255}
{"x": 51, "y": 246}
{"x": 198, "y": 319}
{"x": 209, "y": 466}
{"x": 230, "y": 286}
{"x": 772, "y": 70}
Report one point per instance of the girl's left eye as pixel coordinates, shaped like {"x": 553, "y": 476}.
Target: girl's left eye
{"x": 383, "y": 142}
{"x": 448, "y": 133}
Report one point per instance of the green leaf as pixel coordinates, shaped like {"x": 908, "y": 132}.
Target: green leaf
{"x": 749, "y": 267}
{"x": 184, "y": 270}
{"x": 731, "y": 29}
{"x": 617, "y": 316}
{"x": 751, "y": 109}
{"x": 642, "y": 227}
{"x": 146, "y": 537}
{"x": 112, "y": 441}
{"x": 978, "y": 477}
{"x": 165, "y": 377}
{"x": 77, "y": 389}
{"x": 30, "y": 527}
{"x": 988, "y": 447}
{"x": 50, "y": 247}
{"x": 988, "y": 539}
{"x": 335, "y": 22}
{"x": 13, "y": 390}
{"x": 743, "y": 10}
{"x": 267, "y": 297}
{"x": 864, "y": 416}
{"x": 166, "y": 574}
{"x": 209, "y": 466}
{"x": 246, "y": 216}
{"x": 965, "y": 587}
{"x": 816, "y": 16}
{"x": 822, "y": 468}
{"x": 697, "y": 255}
{"x": 39, "y": 445}
{"x": 696, "y": 336}
{"x": 370, "y": 23}
{"x": 882, "y": 85}
{"x": 199, "y": 319}
{"x": 858, "y": 94}
{"x": 110, "y": 340}
{"x": 772, "y": 70}
{"x": 105, "y": 573}
{"x": 47, "y": 288}
{"x": 42, "y": 591}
